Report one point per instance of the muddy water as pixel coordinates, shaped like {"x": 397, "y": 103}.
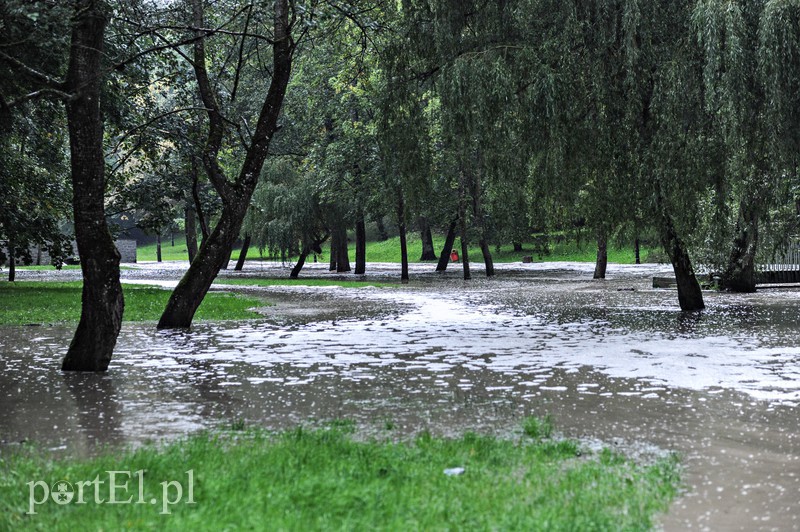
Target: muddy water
{"x": 612, "y": 361}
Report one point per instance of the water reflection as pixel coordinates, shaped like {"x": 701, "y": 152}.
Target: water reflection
{"x": 721, "y": 386}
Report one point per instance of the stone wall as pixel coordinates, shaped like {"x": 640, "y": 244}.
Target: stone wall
{"x": 127, "y": 248}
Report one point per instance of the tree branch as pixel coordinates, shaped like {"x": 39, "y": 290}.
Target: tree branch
{"x": 32, "y": 73}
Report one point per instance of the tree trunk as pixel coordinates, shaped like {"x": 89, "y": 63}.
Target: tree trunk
{"x": 487, "y": 257}
{"x": 227, "y": 261}
{"x": 517, "y": 246}
{"x": 301, "y": 260}
{"x": 361, "y": 245}
{"x": 636, "y": 250}
{"x": 462, "y": 216}
{"x": 690, "y": 297}
{"x": 428, "y": 253}
{"x": 334, "y": 250}
{"x": 190, "y": 223}
{"x": 382, "y": 234}
{"x": 601, "y": 263}
{"x": 465, "y": 252}
{"x": 342, "y": 255}
{"x": 444, "y": 258}
{"x": 102, "y": 302}
{"x": 401, "y": 225}
{"x": 243, "y": 253}
{"x": 192, "y": 288}
{"x": 198, "y": 205}
{"x": 12, "y": 263}
{"x": 158, "y": 247}
{"x": 740, "y": 273}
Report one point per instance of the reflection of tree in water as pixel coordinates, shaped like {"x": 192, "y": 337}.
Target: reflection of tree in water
{"x": 99, "y": 414}
{"x": 688, "y": 322}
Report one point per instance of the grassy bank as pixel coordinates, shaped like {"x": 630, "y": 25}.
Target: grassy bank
{"x": 324, "y": 480}
{"x": 389, "y": 251}
{"x": 49, "y": 302}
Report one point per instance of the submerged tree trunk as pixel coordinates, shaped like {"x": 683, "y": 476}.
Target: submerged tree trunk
{"x": 243, "y": 253}
{"x": 428, "y": 252}
{"x": 216, "y": 249}
{"x": 361, "y": 245}
{"x": 301, "y": 260}
{"x": 740, "y": 273}
{"x": 190, "y": 226}
{"x": 690, "y": 296}
{"x": 462, "y": 216}
{"x": 102, "y": 302}
{"x": 401, "y": 225}
{"x": 342, "y": 251}
{"x": 444, "y": 258}
{"x": 334, "y": 251}
{"x": 12, "y": 263}
{"x": 487, "y": 257}
{"x": 602, "y": 255}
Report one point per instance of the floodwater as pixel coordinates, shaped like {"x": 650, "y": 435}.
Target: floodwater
{"x": 612, "y": 361}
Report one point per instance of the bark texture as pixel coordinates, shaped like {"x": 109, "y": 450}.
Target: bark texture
{"x": 601, "y": 263}
{"x": 428, "y": 252}
{"x": 361, "y": 246}
{"x": 243, "y": 253}
{"x": 449, "y": 239}
{"x": 401, "y": 225}
{"x": 190, "y": 225}
{"x": 740, "y": 273}
{"x": 690, "y": 296}
{"x": 102, "y": 302}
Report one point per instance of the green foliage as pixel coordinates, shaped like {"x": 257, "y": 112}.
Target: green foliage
{"x": 39, "y": 302}
{"x": 321, "y": 479}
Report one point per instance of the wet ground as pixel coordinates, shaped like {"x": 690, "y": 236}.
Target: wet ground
{"x": 613, "y": 361}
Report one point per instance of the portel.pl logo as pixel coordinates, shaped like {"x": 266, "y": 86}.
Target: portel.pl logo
{"x": 114, "y": 490}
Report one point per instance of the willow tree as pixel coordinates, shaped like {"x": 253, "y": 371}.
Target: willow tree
{"x": 642, "y": 126}
{"x": 750, "y": 72}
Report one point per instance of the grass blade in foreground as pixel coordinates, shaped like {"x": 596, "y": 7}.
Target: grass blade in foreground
{"x": 322, "y": 479}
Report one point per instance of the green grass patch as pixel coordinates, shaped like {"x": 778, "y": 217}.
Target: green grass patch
{"x": 302, "y": 282}
{"x": 322, "y": 479}
{"x": 50, "y": 302}
{"x": 389, "y": 251}
{"x": 566, "y": 251}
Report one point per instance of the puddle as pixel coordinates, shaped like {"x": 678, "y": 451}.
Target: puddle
{"x": 622, "y": 366}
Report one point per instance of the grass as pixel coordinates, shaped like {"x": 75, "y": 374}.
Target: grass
{"x": 566, "y": 251}
{"x": 50, "y": 302}
{"x": 178, "y": 251}
{"x": 389, "y": 251}
{"x": 322, "y": 479}
{"x": 301, "y": 282}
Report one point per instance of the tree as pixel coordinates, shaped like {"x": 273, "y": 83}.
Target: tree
{"x": 236, "y": 193}
{"x": 33, "y": 188}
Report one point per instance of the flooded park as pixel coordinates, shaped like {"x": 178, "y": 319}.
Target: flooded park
{"x": 614, "y": 362}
